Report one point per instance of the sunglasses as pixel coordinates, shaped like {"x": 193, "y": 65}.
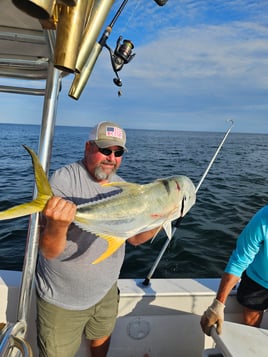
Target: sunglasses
{"x": 107, "y": 152}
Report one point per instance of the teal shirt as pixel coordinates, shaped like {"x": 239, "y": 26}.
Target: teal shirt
{"x": 251, "y": 253}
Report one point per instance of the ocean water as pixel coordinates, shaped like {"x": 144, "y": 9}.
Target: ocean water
{"x": 234, "y": 189}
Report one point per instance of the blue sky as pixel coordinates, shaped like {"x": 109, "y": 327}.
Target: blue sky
{"x": 197, "y": 64}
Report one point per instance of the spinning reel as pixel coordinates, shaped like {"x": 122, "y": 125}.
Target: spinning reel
{"x": 120, "y": 56}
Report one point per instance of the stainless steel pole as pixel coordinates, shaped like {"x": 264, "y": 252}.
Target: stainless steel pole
{"x": 45, "y": 147}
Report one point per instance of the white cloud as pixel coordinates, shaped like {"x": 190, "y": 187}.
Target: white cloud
{"x": 197, "y": 64}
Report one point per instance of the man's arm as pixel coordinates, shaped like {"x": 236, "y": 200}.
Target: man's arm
{"x": 228, "y": 281}
{"x": 58, "y": 214}
{"x": 214, "y": 315}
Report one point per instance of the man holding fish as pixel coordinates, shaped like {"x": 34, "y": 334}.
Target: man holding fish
{"x": 74, "y": 296}
{"x": 88, "y": 213}
{"x": 76, "y": 276}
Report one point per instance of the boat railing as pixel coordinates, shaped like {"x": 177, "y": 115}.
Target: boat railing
{"x": 12, "y": 336}
{"x": 12, "y": 342}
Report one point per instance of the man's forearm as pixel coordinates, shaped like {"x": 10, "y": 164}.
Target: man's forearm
{"x": 227, "y": 283}
{"x": 143, "y": 237}
{"x": 52, "y": 241}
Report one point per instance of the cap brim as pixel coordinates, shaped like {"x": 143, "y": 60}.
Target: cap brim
{"x": 105, "y": 144}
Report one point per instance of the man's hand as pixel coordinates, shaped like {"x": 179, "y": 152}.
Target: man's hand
{"x": 214, "y": 315}
{"x": 59, "y": 214}
{"x": 60, "y": 211}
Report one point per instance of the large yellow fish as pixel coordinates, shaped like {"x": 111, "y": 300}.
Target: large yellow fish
{"x": 135, "y": 209}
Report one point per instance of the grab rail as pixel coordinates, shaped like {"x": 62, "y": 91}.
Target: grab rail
{"x": 10, "y": 340}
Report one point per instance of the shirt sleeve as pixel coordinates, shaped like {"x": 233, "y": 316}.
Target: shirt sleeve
{"x": 60, "y": 183}
{"x": 247, "y": 246}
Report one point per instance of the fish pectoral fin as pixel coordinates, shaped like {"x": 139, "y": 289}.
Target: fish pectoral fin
{"x": 168, "y": 229}
{"x": 114, "y": 243}
{"x": 156, "y": 233}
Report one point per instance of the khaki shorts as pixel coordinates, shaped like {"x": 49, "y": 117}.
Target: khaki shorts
{"x": 60, "y": 331}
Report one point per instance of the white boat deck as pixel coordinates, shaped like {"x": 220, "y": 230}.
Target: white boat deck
{"x": 161, "y": 319}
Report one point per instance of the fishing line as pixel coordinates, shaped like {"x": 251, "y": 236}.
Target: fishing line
{"x": 130, "y": 17}
{"x": 178, "y": 221}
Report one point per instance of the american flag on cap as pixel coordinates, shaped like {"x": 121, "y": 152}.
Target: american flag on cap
{"x": 114, "y": 132}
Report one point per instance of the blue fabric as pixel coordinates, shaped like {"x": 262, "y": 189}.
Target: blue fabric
{"x": 251, "y": 253}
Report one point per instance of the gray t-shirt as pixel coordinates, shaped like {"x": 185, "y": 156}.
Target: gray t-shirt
{"x": 70, "y": 281}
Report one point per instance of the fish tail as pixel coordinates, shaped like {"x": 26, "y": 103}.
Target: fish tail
{"x": 44, "y": 192}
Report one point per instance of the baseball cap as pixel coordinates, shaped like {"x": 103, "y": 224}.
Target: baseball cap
{"x": 107, "y": 134}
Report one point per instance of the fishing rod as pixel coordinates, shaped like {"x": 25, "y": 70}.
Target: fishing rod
{"x": 90, "y": 52}
{"x": 122, "y": 53}
{"x": 177, "y": 223}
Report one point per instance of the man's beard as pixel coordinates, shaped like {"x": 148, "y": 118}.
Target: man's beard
{"x": 101, "y": 175}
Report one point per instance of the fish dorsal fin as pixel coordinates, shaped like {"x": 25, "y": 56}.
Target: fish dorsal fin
{"x": 114, "y": 243}
{"x": 121, "y": 185}
{"x": 124, "y": 188}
